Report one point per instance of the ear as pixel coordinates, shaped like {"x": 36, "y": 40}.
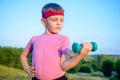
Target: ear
{"x": 43, "y": 21}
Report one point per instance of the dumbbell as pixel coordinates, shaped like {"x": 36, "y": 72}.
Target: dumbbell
{"x": 76, "y": 47}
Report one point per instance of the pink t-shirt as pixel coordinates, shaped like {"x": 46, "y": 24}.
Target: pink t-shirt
{"x": 46, "y": 52}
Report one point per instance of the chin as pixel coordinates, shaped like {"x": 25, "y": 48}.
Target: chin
{"x": 54, "y": 32}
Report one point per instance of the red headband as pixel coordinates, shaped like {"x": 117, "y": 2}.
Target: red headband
{"x": 51, "y": 13}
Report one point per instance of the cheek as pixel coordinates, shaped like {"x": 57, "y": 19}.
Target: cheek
{"x": 48, "y": 25}
{"x": 51, "y": 25}
{"x": 62, "y": 24}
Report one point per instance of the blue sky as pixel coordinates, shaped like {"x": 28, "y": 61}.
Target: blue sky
{"x": 85, "y": 21}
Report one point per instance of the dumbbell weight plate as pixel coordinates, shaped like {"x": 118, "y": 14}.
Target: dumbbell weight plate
{"x": 94, "y": 46}
{"x": 76, "y": 47}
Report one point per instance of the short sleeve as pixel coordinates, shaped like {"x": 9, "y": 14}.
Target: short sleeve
{"x": 66, "y": 46}
{"x": 29, "y": 46}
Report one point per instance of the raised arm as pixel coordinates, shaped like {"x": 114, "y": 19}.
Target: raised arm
{"x": 67, "y": 63}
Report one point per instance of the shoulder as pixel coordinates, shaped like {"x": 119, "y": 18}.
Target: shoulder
{"x": 64, "y": 39}
{"x": 35, "y": 37}
{"x": 64, "y": 36}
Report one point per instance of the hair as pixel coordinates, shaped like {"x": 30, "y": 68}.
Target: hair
{"x": 51, "y": 9}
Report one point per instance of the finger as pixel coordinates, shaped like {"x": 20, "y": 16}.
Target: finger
{"x": 33, "y": 74}
{"x": 33, "y": 71}
{"x": 87, "y": 45}
{"x": 33, "y": 68}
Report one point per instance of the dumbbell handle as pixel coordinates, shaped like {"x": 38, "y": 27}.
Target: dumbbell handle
{"x": 76, "y": 47}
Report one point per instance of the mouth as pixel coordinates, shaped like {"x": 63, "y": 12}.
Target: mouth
{"x": 58, "y": 28}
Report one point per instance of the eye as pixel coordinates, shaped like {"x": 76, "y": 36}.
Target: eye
{"x": 62, "y": 20}
{"x": 53, "y": 20}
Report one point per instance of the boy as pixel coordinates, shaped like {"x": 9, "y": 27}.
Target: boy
{"x": 50, "y": 50}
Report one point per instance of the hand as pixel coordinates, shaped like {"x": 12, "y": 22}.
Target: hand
{"x": 87, "y": 47}
{"x": 31, "y": 72}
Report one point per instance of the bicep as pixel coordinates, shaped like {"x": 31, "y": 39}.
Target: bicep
{"x": 24, "y": 53}
{"x": 63, "y": 58}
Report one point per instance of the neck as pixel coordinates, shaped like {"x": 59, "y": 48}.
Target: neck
{"x": 48, "y": 32}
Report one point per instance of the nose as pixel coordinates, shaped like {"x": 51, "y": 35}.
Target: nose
{"x": 59, "y": 22}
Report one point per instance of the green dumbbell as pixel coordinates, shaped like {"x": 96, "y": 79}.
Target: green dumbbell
{"x": 76, "y": 47}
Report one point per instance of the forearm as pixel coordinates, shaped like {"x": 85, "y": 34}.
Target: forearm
{"x": 72, "y": 62}
{"x": 30, "y": 70}
{"x": 24, "y": 62}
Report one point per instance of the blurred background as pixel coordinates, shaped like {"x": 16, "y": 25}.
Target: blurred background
{"x": 85, "y": 21}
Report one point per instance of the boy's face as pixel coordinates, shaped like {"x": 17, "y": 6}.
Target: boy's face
{"x": 54, "y": 24}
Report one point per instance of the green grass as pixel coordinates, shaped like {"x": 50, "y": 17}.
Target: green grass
{"x": 8, "y": 73}
{"x": 77, "y": 76}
